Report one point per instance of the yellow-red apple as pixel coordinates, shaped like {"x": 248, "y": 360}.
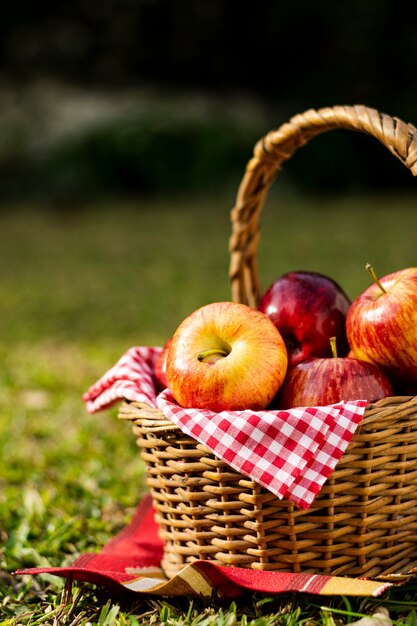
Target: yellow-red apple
{"x": 382, "y": 324}
{"x": 226, "y": 356}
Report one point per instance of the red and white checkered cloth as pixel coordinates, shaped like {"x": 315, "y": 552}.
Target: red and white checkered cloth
{"x": 291, "y": 452}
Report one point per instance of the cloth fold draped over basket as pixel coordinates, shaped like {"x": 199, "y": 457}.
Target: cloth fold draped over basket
{"x": 130, "y": 562}
{"x": 291, "y": 453}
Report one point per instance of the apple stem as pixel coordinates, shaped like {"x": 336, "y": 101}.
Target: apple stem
{"x": 333, "y": 347}
{"x": 217, "y": 351}
{"x": 374, "y": 277}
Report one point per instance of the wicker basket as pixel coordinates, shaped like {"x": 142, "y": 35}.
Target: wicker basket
{"x": 364, "y": 520}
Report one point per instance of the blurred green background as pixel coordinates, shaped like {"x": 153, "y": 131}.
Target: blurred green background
{"x": 152, "y": 96}
{"x": 125, "y": 127}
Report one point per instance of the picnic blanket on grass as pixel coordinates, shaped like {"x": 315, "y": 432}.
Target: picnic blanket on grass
{"x": 131, "y": 562}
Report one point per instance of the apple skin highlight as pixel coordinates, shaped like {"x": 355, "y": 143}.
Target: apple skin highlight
{"x": 248, "y": 369}
{"x": 382, "y": 327}
{"x": 160, "y": 370}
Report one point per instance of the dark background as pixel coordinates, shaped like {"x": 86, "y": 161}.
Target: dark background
{"x": 188, "y": 87}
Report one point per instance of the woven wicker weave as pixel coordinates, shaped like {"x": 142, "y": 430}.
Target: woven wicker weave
{"x": 364, "y": 520}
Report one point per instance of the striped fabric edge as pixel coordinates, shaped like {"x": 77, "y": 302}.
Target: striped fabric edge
{"x": 202, "y": 578}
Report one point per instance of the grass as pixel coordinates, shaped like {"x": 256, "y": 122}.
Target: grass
{"x": 77, "y": 289}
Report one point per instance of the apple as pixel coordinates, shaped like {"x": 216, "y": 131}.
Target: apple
{"x": 226, "y": 356}
{"x": 322, "y": 381}
{"x": 382, "y": 324}
{"x": 307, "y": 308}
{"x": 160, "y": 367}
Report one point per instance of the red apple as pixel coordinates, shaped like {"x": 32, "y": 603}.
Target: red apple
{"x": 160, "y": 367}
{"x": 226, "y": 356}
{"x": 382, "y": 324}
{"x": 317, "y": 382}
{"x": 307, "y": 308}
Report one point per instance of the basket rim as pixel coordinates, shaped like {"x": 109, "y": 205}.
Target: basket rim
{"x": 153, "y": 419}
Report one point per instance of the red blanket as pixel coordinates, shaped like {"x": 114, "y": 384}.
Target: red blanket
{"x": 131, "y": 561}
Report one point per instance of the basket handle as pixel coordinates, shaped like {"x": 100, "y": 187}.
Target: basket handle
{"x": 278, "y": 146}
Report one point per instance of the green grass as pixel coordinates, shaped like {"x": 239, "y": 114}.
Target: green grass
{"x": 77, "y": 289}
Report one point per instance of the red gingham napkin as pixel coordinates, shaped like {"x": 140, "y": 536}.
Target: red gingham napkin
{"x": 130, "y": 379}
{"x": 291, "y": 453}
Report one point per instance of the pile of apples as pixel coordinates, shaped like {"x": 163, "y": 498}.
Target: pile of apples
{"x": 307, "y": 344}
